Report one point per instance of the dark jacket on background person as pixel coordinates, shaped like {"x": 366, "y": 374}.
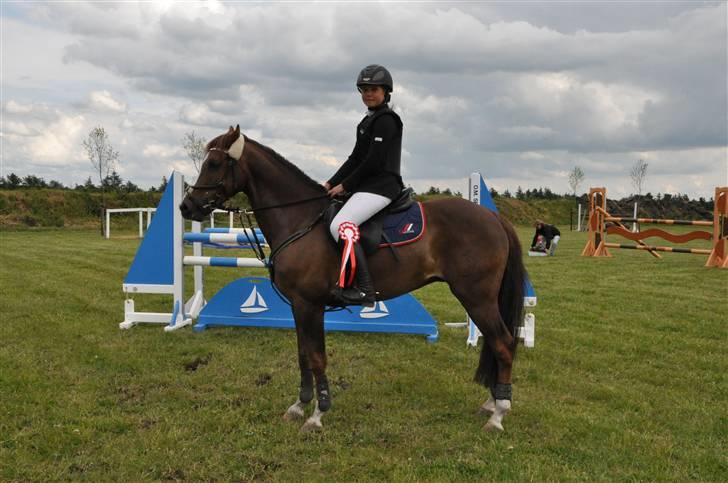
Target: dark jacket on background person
{"x": 548, "y": 232}
{"x": 374, "y": 164}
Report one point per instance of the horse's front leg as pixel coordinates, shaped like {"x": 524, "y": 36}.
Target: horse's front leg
{"x": 312, "y": 362}
{"x": 305, "y": 393}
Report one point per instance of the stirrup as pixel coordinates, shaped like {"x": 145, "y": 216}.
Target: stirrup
{"x": 353, "y": 296}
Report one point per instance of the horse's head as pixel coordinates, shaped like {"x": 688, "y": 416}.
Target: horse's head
{"x": 220, "y": 176}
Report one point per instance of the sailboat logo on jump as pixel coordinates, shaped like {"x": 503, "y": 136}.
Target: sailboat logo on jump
{"x": 254, "y": 304}
{"x": 378, "y": 311}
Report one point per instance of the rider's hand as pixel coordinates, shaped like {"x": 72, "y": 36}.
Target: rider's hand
{"x": 327, "y": 186}
{"x": 336, "y": 190}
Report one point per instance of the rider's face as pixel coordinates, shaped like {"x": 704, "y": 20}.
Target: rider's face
{"x": 372, "y": 96}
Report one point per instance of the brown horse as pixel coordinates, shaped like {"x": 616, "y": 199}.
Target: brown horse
{"x": 472, "y": 249}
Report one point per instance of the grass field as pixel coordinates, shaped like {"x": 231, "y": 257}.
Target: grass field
{"x": 628, "y": 380}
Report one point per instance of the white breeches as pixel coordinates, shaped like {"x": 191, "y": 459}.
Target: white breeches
{"x": 554, "y": 243}
{"x": 358, "y": 209}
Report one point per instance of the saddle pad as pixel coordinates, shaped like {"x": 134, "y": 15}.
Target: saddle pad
{"x": 404, "y": 227}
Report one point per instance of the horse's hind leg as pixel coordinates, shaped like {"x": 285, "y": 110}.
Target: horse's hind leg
{"x": 496, "y": 358}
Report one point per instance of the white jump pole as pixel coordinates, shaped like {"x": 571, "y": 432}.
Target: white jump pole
{"x": 578, "y": 218}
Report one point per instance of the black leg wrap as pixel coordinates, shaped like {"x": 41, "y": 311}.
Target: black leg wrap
{"x": 306, "y": 392}
{"x": 503, "y": 391}
{"x": 322, "y": 391}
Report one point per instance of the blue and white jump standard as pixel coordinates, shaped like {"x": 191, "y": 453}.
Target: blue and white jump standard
{"x": 480, "y": 194}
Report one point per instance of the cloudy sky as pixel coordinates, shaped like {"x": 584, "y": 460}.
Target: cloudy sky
{"x": 521, "y": 91}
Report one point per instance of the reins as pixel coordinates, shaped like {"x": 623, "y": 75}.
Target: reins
{"x": 283, "y": 205}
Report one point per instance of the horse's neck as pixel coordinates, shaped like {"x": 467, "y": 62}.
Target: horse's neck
{"x": 271, "y": 184}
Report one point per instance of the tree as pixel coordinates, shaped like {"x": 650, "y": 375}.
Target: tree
{"x": 13, "y": 181}
{"x": 113, "y": 181}
{"x": 576, "y": 176}
{"x": 33, "y": 181}
{"x": 195, "y": 148}
{"x": 130, "y": 187}
{"x": 103, "y": 159}
{"x": 638, "y": 175}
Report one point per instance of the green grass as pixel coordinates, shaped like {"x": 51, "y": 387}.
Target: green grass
{"x": 628, "y": 380}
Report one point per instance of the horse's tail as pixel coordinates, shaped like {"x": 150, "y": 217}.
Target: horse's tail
{"x": 510, "y": 305}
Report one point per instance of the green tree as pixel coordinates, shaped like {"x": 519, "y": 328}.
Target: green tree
{"x": 33, "y": 181}
{"x": 13, "y": 181}
{"x": 113, "y": 182}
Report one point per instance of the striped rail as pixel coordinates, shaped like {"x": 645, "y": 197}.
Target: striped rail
{"x": 223, "y": 262}
{"x": 223, "y": 238}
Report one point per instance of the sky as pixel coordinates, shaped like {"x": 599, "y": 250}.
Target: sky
{"x": 522, "y": 92}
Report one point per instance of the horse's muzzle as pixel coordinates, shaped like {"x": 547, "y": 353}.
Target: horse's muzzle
{"x": 192, "y": 210}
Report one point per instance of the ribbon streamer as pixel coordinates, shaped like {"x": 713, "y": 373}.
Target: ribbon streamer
{"x": 349, "y": 232}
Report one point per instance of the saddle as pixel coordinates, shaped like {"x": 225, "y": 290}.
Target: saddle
{"x": 401, "y": 222}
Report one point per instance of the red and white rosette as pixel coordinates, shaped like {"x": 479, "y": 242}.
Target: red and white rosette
{"x": 349, "y": 232}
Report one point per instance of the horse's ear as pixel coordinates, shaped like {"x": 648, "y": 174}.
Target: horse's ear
{"x": 237, "y": 131}
{"x": 230, "y": 129}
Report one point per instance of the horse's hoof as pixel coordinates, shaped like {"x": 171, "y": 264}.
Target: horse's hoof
{"x": 294, "y": 411}
{"x": 311, "y": 426}
{"x": 486, "y": 411}
{"x": 493, "y": 427}
{"x": 292, "y": 415}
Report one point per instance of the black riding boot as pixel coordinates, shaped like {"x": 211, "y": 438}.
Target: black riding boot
{"x": 362, "y": 293}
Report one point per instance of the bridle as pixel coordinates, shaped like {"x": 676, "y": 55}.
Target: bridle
{"x": 219, "y": 187}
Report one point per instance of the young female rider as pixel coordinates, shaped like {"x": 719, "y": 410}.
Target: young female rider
{"x": 371, "y": 173}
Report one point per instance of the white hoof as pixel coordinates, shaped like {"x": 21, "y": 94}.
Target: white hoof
{"x": 295, "y": 412}
{"x": 488, "y": 408}
{"x": 493, "y": 427}
{"x": 495, "y": 423}
{"x": 314, "y": 422}
{"x": 311, "y": 426}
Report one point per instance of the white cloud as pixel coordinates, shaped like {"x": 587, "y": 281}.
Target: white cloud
{"x": 59, "y": 144}
{"x": 103, "y": 100}
{"x": 161, "y": 151}
{"x": 12, "y": 107}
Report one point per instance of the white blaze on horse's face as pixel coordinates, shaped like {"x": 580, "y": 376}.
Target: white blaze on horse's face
{"x": 236, "y": 150}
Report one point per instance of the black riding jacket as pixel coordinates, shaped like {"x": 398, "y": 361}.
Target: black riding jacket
{"x": 374, "y": 164}
{"x": 548, "y": 232}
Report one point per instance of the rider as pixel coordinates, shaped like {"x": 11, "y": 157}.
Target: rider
{"x": 371, "y": 173}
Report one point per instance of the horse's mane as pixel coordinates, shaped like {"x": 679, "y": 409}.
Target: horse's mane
{"x": 287, "y": 164}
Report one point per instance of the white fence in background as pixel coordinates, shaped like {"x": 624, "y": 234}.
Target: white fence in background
{"x": 149, "y": 211}
{"x": 141, "y": 212}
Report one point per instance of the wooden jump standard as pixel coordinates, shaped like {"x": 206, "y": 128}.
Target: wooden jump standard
{"x": 597, "y": 245}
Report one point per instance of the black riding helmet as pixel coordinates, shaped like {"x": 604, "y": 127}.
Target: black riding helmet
{"x": 375, "y": 75}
